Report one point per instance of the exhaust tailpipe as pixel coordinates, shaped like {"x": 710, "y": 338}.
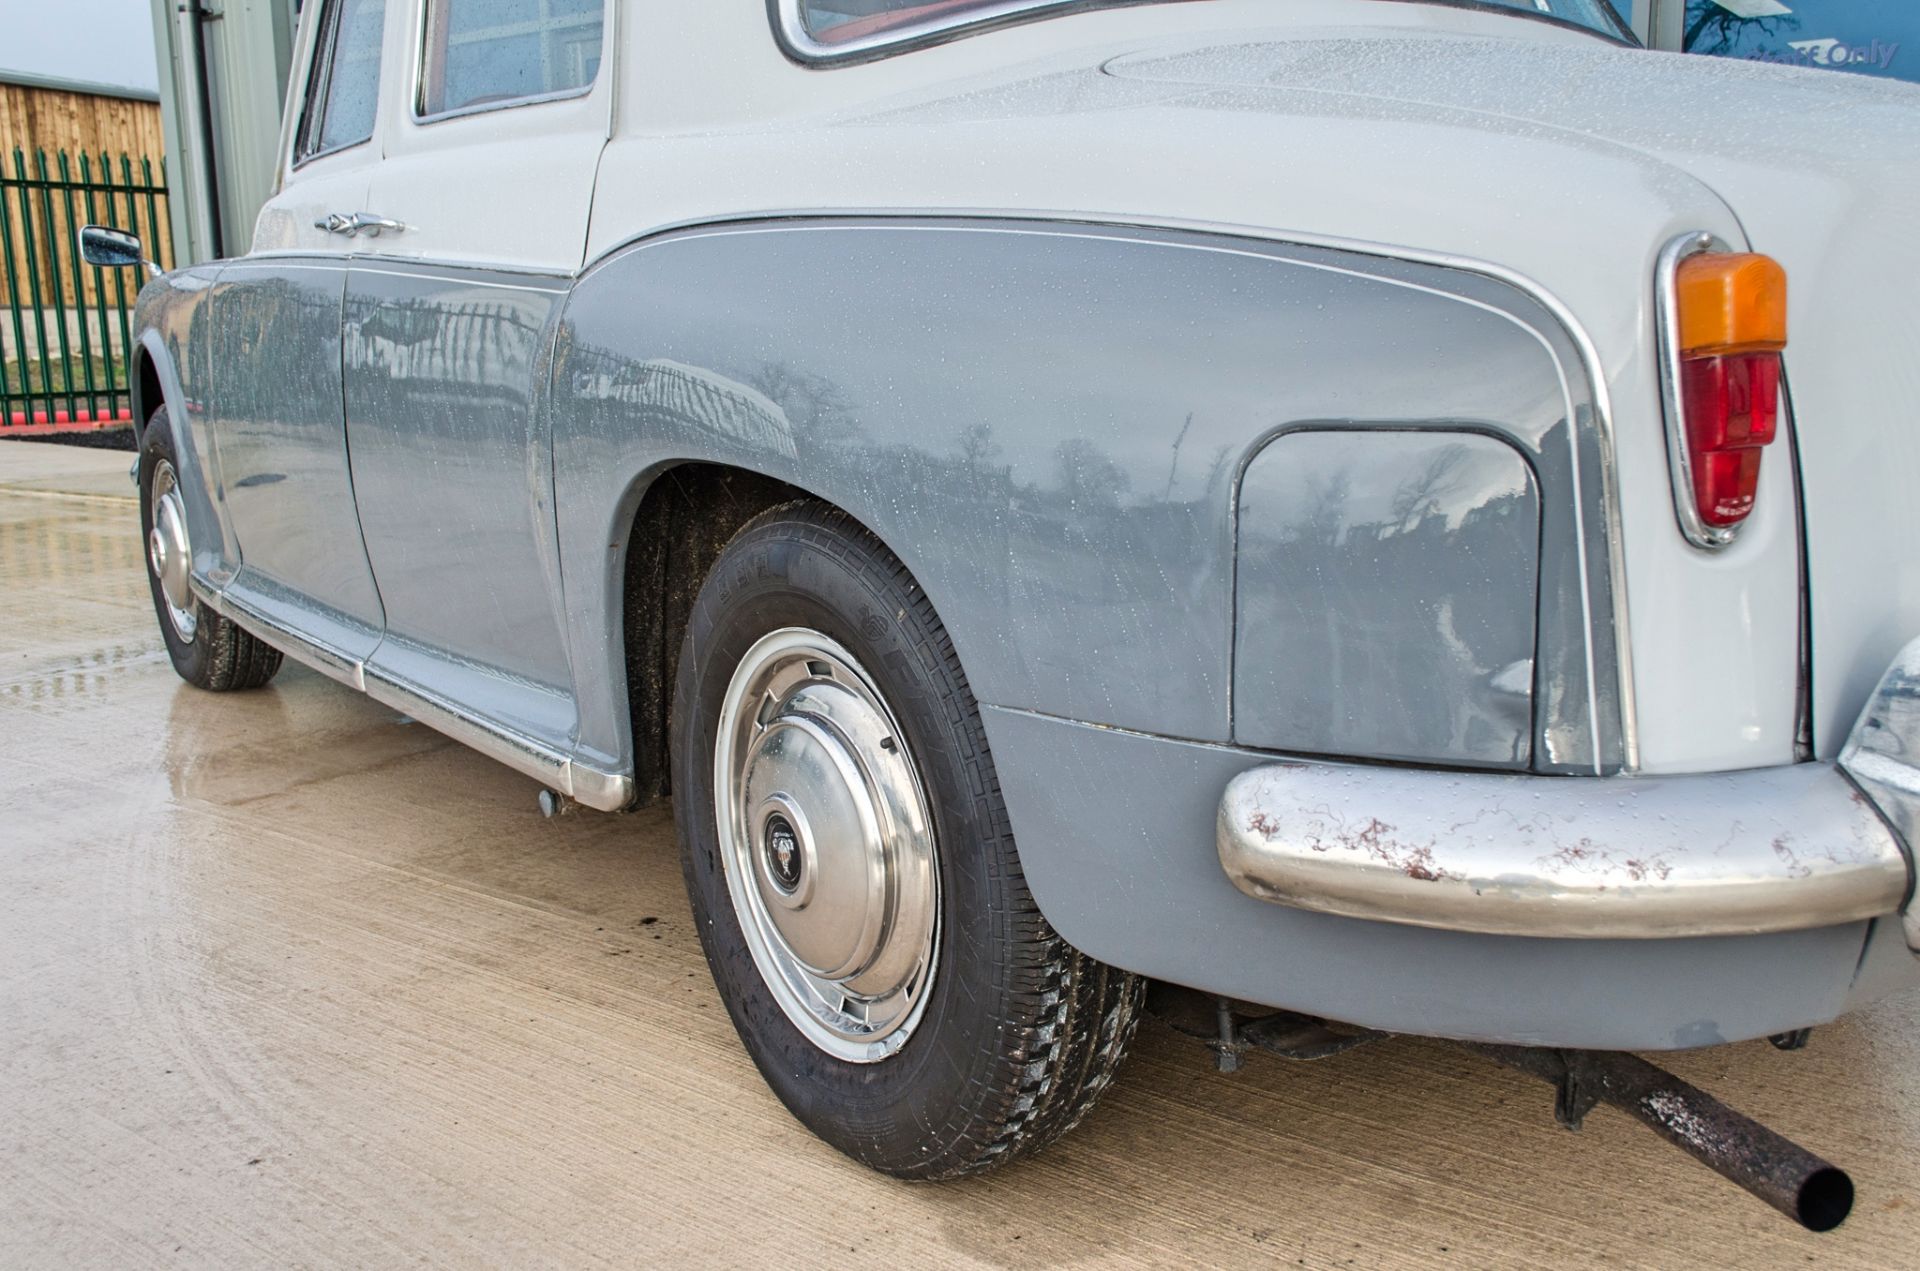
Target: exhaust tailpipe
{"x": 1807, "y": 1189}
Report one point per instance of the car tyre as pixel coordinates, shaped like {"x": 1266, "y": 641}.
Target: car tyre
{"x": 208, "y": 651}
{"x": 1005, "y": 1035}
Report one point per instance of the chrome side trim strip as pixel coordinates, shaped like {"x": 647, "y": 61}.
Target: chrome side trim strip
{"x": 596, "y": 788}
{"x": 322, "y": 657}
{"x": 1619, "y": 858}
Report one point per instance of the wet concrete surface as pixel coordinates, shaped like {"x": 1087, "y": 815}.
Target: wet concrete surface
{"x": 288, "y": 980}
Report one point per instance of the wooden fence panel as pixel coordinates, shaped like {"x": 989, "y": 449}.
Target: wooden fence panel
{"x": 80, "y": 123}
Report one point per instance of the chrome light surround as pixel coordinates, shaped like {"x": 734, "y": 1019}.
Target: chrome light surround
{"x": 1673, "y": 409}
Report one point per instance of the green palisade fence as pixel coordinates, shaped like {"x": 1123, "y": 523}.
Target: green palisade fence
{"x": 67, "y": 327}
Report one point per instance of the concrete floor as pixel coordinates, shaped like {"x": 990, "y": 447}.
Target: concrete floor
{"x": 285, "y": 979}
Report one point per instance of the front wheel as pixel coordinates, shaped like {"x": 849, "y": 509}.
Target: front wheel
{"x": 853, "y": 876}
{"x": 207, "y": 650}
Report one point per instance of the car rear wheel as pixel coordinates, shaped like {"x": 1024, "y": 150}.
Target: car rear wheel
{"x": 207, "y": 650}
{"x": 856, "y": 887}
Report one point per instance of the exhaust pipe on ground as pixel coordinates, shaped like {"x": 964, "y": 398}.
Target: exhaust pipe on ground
{"x": 1807, "y": 1189}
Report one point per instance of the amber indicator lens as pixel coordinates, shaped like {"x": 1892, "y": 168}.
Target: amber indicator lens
{"x": 1731, "y": 302}
{"x": 1732, "y": 309}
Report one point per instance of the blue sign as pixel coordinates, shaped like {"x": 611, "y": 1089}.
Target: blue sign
{"x": 1868, "y": 37}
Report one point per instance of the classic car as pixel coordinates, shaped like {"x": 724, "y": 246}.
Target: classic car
{"x": 1299, "y": 506}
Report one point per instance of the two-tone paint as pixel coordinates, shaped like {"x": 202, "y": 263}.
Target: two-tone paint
{"x": 1071, "y": 315}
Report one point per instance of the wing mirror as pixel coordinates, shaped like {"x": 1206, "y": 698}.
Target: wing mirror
{"x": 113, "y": 249}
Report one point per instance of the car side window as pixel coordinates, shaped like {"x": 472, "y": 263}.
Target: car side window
{"x": 481, "y": 53}
{"x": 343, "y": 88}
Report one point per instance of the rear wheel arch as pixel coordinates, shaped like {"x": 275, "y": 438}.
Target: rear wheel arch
{"x": 682, "y": 519}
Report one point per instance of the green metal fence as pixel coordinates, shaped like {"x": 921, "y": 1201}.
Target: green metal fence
{"x": 66, "y": 327}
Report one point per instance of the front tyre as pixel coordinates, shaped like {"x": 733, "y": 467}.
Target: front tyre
{"x": 207, "y": 650}
{"x": 853, "y": 876}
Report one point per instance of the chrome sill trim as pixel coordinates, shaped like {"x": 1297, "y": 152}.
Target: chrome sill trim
{"x": 1623, "y": 858}
{"x": 605, "y": 791}
{"x": 1667, "y": 322}
{"x": 322, "y": 657}
{"x": 596, "y": 788}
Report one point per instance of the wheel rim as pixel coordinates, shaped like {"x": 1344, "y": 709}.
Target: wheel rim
{"x": 169, "y": 555}
{"x": 827, "y": 844}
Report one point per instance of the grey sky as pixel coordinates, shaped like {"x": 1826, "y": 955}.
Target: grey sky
{"x": 105, "y": 41}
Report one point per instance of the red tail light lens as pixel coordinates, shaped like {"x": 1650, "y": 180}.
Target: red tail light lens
{"x": 1727, "y": 322}
{"x": 1732, "y": 406}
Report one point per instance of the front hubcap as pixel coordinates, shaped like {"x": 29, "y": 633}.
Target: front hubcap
{"x": 827, "y": 844}
{"x": 168, "y": 553}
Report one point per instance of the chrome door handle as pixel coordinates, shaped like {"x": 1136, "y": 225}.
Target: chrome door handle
{"x": 358, "y": 223}
{"x": 373, "y": 226}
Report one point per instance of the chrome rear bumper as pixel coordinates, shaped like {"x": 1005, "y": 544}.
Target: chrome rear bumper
{"x": 1635, "y": 858}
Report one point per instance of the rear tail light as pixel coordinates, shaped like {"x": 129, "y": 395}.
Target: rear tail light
{"x": 1727, "y": 326}
{"x": 1732, "y": 404}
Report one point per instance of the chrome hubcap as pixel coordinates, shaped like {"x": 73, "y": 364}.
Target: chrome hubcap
{"x": 168, "y": 554}
{"x": 827, "y": 844}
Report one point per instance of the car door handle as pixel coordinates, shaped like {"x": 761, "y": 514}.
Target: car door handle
{"x": 358, "y": 223}
{"x": 373, "y": 226}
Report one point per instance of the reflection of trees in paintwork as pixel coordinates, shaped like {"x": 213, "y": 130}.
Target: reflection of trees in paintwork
{"x": 1086, "y": 478}
{"x": 978, "y": 451}
{"x": 1422, "y": 495}
{"x": 473, "y": 348}
{"x": 1714, "y": 30}
{"x": 1412, "y": 604}
{"x": 818, "y": 410}
{"x": 273, "y": 347}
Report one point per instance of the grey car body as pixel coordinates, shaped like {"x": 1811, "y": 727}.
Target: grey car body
{"x": 1190, "y": 502}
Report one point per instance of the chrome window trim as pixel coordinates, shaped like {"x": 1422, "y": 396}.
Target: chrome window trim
{"x": 790, "y": 28}
{"x": 1667, "y": 324}
{"x": 417, "y": 98}
{"x": 320, "y": 66}
{"x": 797, "y": 43}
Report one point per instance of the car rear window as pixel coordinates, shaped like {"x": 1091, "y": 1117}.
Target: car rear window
{"x": 482, "y": 53}
{"x": 828, "y": 30}
{"x": 841, "y": 22}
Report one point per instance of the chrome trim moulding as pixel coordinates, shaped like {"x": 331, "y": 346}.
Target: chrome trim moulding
{"x": 1622, "y": 858}
{"x": 800, "y": 45}
{"x": 418, "y": 96}
{"x": 594, "y": 787}
{"x": 1666, "y": 307}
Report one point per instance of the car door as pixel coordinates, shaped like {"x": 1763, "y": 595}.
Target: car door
{"x": 486, "y": 183}
{"x": 277, "y": 403}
